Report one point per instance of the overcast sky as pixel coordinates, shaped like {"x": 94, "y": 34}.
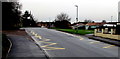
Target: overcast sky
{"x": 97, "y": 10}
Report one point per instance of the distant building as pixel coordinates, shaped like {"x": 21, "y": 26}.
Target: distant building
{"x": 45, "y": 24}
{"x": 79, "y": 25}
{"x": 87, "y": 26}
{"x": 92, "y": 26}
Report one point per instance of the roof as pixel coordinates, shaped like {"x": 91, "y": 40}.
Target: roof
{"x": 90, "y": 24}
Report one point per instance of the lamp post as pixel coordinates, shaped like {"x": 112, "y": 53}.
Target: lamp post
{"x": 76, "y": 17}
{"x": 111, "y": 18}
{"x": 76, "y": 13}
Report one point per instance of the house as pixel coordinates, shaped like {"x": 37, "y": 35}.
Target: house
{"x": 87, "y": 26}
{"x": 92, "y": 26}
{"x": 79, "y": 25}
{"x": 109, "y": 30}
{"x": 45, "y": 24}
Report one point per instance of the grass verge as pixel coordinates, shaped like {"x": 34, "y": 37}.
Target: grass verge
{"x": 81, "y": 32}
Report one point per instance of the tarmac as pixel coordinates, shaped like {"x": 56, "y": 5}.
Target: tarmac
{"x": 24, "y": 48}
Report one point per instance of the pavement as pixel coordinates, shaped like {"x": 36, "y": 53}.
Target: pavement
{"x": 106, "y": 40}
{"x": 61, "y": 44}
{"x": 0, "y": 45}
{"x": 24, "y": 48}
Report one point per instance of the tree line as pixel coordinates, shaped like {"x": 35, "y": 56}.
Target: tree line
{"x": 12, "y": 17}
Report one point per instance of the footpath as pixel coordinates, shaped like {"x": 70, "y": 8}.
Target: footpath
{"x": 106, "y": 40}
{"x": 23, "y": 47}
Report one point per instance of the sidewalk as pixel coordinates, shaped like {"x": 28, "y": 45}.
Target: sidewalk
{"x": 24, "y": 48}
{"x": 110, "y": 41}
{"x": 0, "y": 45}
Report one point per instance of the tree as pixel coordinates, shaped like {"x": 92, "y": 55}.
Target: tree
{"x": 103, "y": 21}
{"x": 11, "y": 15}
{"x": 62, "y": 21}
{"x": 28, "y": 19}
{"x": 62, "y": 17}
{"x": 89, "y": 21}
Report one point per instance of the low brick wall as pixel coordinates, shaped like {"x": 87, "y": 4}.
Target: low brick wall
{"x": 108, "y": 36}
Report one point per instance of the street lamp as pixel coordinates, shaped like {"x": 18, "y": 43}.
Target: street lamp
{"x": 76, "y": 17}
{"x": 76, "y": 13}
{"x": 111, "y": 18}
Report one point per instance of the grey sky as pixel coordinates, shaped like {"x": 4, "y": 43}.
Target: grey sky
{"x": 8, "y": 0}
{"x": 97, "y": 10}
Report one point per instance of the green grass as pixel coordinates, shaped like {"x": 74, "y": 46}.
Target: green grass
{"x": 81, "y": 32}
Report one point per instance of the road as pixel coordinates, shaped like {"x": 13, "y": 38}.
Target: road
{"x": 60, "y": 44}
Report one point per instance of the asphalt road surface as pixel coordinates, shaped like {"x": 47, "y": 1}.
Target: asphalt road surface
{"x": 60, "y": 44}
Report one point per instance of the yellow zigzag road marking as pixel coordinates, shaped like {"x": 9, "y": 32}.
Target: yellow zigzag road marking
{"x": 49, "y": 44}
{"x": 94, "y": 42}
{"x": 33, "y": 33}
{"x": 108, "y": 46}
{"x": 45, "y": 42}
{"x": 50, "y": 48}
{"x": 75, "y": 36}
{"x": 38, "y": 37}
{"x": 80, "y": 37}
{"x": 36, "y": 34}
{"x": 54, "y": 48}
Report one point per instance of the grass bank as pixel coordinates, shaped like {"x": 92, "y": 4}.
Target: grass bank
{"x": 81, "y": 32}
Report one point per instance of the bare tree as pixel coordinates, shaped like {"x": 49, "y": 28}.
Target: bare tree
{"x": 62, "y": 21}
{"x": 62, "y": 16}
